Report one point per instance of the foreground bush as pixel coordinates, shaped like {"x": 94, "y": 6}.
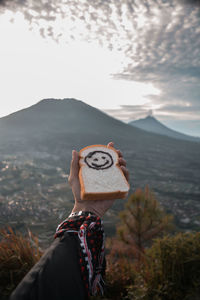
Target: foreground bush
{"x": 17, "y": 256}
{"x": 120, "y": 271}
{"x": 171, "y": 271}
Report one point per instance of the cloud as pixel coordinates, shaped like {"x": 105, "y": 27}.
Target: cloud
{"x": 159, "y": 42}
{"x": 179, "y": 109}
{"x": 130, "y": 112}
{"x": 146, "y": 32}
{"x": 168, "y": 56}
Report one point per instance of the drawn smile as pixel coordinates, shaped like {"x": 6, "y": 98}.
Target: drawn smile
{"x": 99, "y": 160}
{"x": 100, "y": 166}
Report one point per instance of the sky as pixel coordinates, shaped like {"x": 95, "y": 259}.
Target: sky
{"x": 130, "y": 58}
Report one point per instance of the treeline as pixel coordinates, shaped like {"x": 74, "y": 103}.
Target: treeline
{"x": 147, "y": 259}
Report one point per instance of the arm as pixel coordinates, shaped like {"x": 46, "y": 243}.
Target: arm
{"x": 57, "y": 274}
{"x": 62, "y": 272}
{"x": 92, "y": 244}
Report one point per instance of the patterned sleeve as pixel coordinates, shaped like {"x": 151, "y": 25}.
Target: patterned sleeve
{"x": 89, "y": 229}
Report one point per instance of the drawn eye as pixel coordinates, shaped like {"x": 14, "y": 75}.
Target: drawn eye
{"x": 96, "y": 159}
{"x": 103, "y": 157}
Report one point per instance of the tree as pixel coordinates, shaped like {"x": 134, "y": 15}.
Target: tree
{"x": 141, "y": 221}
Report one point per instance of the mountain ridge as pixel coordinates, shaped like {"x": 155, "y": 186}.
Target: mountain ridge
{"x": 67, "y": 116}
{"x": 151, "y": 124}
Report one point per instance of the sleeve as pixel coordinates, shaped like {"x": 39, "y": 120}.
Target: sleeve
{"x": 56, "y": 276}
{"x": 72, "y": 268}
{"x": 90, "y": 232}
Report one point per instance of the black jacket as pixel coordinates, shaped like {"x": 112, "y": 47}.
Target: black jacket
{"x": 56, "y": 276}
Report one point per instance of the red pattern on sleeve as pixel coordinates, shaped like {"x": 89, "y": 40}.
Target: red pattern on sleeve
{"x": 89, "y": 229}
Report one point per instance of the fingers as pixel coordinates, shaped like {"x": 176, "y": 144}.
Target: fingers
{"x": 74, "y": 168}
{"x": 119, "y": 153}
{"x": 122, "y": 162}
{"x": 126, "y": 172}
{"x": 110, "y": 144}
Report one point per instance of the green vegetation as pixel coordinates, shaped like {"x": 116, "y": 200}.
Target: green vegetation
{"x": 140, "y": 267}
{"x": 171, "y": 270}
{"x": 142, "y": 220}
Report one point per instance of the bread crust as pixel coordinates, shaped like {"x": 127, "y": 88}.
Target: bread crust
{"x": 100, "y": 196}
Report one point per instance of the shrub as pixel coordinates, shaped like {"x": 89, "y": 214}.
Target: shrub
{"x": 120, "y": 269}
{"x": 17, "y": 256}
{"x": 172, "y": 271}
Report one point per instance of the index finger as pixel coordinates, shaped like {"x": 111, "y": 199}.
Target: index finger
{"x": 74, "y": 168}
{"x": 111, "y": 144}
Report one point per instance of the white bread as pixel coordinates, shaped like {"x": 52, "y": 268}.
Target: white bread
{"x": 100, "y": 174}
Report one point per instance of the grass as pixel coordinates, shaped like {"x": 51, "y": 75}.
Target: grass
{"x": 18, "y": 254}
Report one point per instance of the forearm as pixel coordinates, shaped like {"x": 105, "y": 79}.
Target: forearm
{"x": 88, "y": 227}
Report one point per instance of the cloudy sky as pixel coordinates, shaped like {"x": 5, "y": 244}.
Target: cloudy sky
{"x": 127, "y": 57}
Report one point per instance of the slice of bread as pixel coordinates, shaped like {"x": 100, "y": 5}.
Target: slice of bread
{"x": 100, "y": 174}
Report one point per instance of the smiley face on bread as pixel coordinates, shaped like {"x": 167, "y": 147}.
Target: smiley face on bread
{"x": 99, "y": 160}
{"x": 100, "y": 174}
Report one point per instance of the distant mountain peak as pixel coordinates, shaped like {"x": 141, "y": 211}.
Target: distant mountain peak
{"x": 148, "y": 120}
{"x": 150, "y": 117}
{"x": 150, "y": 113}
{"x": 151, "y": 124}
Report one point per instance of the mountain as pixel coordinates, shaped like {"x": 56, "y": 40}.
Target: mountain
{"x": 50, "y": 118}
{"x": 151, "y": 124}
{"x": 56, "y": 125}
{"x": 35, "y": 155}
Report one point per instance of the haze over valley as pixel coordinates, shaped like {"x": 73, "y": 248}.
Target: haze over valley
{"x": 35, "y": 155}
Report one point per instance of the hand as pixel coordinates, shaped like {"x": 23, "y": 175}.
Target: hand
{"x": 99, "y": 207}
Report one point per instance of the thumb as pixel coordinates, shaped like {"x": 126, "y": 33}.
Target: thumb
{"x": 74, "y": 168}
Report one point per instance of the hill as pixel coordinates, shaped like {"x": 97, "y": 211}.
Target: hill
{"x": 35, "y": 155}
{"x": 151, "y": 124}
